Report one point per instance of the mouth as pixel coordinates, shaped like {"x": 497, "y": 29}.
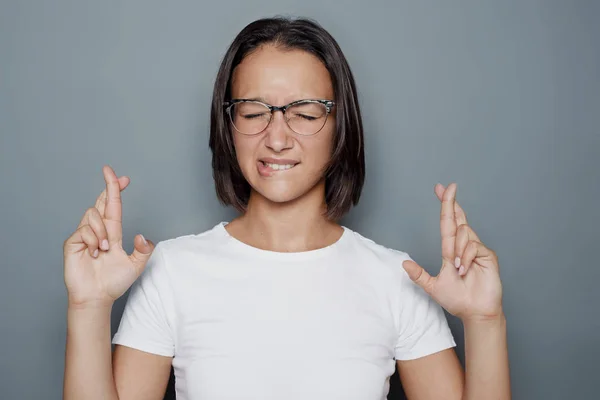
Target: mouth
{"x": 268, "y": 167}
{"x": 278, "y": 167}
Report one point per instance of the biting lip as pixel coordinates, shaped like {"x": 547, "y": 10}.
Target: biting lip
{"x": 280, "y": 161}
{"x": 269, "y": 166}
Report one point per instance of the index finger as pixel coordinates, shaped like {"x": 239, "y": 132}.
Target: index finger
{"x": 101, "y": 202}
{"x": 112, "y": 209}
{"x": 448, "y": 223}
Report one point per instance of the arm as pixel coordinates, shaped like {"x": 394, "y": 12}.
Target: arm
{"x": 436, "y": 376}
{"x": 140, "y": 375}
{"x": 88, "y": 338}
{"x": 486, "y": 360}
{"x": 469, "y": 287}
{"x": 137, "y": 375}
{"x": 440, "y": 375}
{"x": 98, "y": 271}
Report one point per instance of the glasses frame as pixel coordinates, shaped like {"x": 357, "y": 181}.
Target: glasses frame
{"x": 329, "y": 104}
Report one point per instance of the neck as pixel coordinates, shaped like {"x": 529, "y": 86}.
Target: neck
{"x": 294, "y": 226}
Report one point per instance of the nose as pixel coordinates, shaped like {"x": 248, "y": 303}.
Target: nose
{"x": 278, "y": 133}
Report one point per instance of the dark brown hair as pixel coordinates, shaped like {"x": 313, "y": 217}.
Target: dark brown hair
{"x": 345, "y": 173}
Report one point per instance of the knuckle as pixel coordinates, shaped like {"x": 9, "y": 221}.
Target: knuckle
{"x": 463, "y": 228}
{"x": 462, "y": 233}
{"x": 88, "y": 234}
{"x": 84, "y": 218}
{"x": 113, "y": 200}
{"x": 472, "y": 245}
{"x": 95, "y": 219}
{"x": 446, "y": 215}
{"x": 97, "y": 223}
{"x": 135, "y": 258}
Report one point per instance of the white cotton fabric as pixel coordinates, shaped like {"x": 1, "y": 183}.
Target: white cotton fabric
{"x": 244, "y": 323}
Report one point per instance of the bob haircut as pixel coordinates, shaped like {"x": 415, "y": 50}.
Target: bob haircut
{"x": 345, "y": 172}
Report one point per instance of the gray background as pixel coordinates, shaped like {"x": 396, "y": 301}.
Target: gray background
{"x": 501, "y": 97}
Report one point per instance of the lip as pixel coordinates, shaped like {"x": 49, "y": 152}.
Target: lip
{"x": 267, "y": 171}
{"x": 280, "y": 161}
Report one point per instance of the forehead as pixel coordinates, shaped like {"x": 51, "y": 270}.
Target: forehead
{"x": 280, "y": 76}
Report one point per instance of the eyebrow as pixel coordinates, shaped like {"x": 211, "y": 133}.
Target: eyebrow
{"x": 263, "y": 100}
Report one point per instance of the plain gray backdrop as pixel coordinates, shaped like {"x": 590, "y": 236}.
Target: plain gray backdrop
{"x": 502, "y": 97}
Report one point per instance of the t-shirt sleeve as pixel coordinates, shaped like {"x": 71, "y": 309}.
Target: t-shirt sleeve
{"x": 145, "y": 323}
{"x": 422, "y": 325}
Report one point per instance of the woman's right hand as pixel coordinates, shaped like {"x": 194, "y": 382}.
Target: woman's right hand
{"x": 97, "y": 269}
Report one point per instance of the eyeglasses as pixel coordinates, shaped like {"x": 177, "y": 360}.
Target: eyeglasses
{"x": 305, "y": 117}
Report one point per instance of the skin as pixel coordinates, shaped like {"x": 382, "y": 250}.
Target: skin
{"x": 285, "y": 213}
{"x": 285, "y": 210}
{"x": 468, "y": 286}
{"x": 95, "y": 276}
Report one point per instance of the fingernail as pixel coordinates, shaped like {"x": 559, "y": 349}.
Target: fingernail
{"x": 144, "y": 239}
{"x": 104, "y": 245}
{"x": 95, "y": 253}
{"x": 457, "y": 262}
{"x": 461, "y": 270}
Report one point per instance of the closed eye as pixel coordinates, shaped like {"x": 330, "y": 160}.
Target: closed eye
{"x": 252, "y": 116}
{"x": 306, "y": 117}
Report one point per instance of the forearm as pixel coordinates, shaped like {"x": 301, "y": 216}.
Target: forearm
{"x": 487, "y": 371}
{"x": 88, "y": 364}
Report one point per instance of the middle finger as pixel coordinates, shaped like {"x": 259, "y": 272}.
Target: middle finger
{"x": 459, "y": 214}
{"x": 101, "y": 200}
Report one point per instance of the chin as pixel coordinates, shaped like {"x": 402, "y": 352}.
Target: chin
{"x": 285, "y": 192}
{"x": 280, "y": 195}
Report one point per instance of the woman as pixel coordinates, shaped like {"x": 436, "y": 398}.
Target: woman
{"x": 282, "y": 302}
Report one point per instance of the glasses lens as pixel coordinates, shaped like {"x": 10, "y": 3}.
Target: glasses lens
{"x": 249, "y": 117}
{"x": 306, "y": 118}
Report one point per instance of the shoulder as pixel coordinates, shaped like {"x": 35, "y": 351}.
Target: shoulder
{"x": 174, "y": 254}
{"x": 379, "y": 257}
{"x": 198, "y": 243}
{"x": 371, "y": 247}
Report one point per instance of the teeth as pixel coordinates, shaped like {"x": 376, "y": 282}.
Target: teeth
{"x": 279, "y": 166}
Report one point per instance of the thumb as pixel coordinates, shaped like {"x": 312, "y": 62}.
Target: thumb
{"x": 418, "y": 275}
{"x": 142, "y": 250}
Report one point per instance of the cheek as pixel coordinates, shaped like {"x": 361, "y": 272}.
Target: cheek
{"x": 241, "y": 148}
{"x": 244, "y": 150}
{"x": 320, "y": 149}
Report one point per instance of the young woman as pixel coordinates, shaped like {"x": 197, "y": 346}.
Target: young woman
{"x": 282, "y": 302}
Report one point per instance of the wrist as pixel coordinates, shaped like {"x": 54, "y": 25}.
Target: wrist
{"x": 89, "y": 307}
{"x": 88, "y": 323}
{"x": 488, "y": 321}
{"x": 89, "y": 304}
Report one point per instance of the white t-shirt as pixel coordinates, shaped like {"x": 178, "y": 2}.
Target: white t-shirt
{"x": 246, "y": 323}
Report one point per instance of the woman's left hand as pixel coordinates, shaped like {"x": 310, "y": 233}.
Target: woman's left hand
{"x": 468, "y": 285}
